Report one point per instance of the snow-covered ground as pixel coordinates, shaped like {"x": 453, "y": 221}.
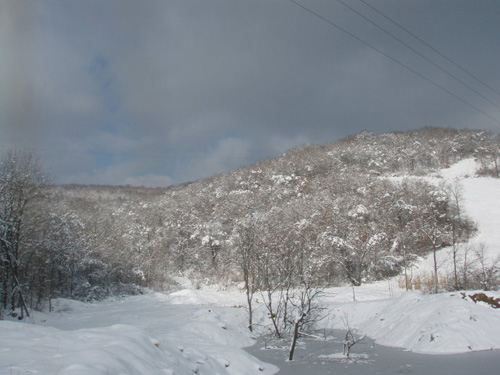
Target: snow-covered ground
{"x": 149, "y": 334}
{"x": 432, "y": 324}
{"x": 204, "y": 331}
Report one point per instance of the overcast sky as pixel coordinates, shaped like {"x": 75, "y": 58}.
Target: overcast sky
{"x": 161, "y": 92}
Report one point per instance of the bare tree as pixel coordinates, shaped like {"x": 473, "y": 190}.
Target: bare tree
{"x": 350, "y": 338}
{"x": 466, "y": 264}
{"x": 276, "y": 269}
{"x": 306, "y": 312}
{"x": 247, "y": 243}
{"x": 489, "y": 270}
{"x": 432, "y": 234}
{"x": 462, "y": 228}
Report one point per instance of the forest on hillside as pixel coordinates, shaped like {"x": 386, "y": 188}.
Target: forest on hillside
{"x": 343, "y": 212}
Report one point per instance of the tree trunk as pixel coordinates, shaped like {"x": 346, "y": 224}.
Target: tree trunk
{"x": 249, "y": 303}
{"x": 295, "y": 336}
{"x": 5, "y": 286}
{"x": 455, "y": 270}
{"x": 436, "y": 283}
{"x": 406, "y": 269}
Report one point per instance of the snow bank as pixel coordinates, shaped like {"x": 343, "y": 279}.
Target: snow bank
{"x": 432, "y": 324}
{"x": 135, "y": 335}
{"x": 119, "y": 349}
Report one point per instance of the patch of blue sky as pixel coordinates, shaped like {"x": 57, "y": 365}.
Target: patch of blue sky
{"x": 102, "y": 158}
{"x": 98, "y": 69}
{"x": 100, "y": 73}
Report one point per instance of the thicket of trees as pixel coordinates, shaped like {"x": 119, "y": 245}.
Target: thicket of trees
{"x": 45, "y": 251}
{"x": 317, "y": 216}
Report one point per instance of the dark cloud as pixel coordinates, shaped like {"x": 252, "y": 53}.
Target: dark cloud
{"x": 156, "y": 92}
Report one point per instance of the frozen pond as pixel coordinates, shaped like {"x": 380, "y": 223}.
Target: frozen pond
{"x": 318, "y": 357}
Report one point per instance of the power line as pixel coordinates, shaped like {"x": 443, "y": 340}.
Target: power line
{"x": 431, "y": 47}
{"x": 324, "y": 19}
{"x": 417, "y": 52}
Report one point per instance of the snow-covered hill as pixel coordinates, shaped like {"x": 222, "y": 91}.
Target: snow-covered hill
{"x": 203, "y": 330}
{"x": 446, "y": 322}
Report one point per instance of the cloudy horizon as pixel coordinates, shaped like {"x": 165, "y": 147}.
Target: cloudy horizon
{"x": 161, "y": 92}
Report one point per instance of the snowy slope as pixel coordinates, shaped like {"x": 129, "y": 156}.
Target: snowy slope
{"x": 481, "y": 202}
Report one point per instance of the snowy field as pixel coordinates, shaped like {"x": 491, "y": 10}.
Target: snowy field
{"x": 203, "y": 331}
{"x": 185, "y": 333}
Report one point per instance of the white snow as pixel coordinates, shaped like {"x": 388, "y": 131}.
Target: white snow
{"x": 481, "y": 201}
{"x": 204, "y": 330}
{"x": 149, "y": 334}
{"x": 482, "y": 204}
{"x": 463, "y": 169}
{"x": 442, "y": 323}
